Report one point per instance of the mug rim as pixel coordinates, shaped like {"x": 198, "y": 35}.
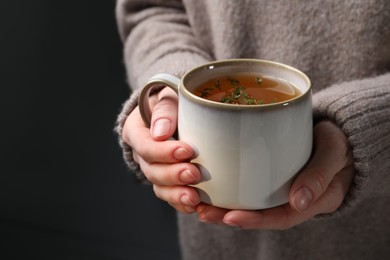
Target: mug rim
{"x": 188, "y": 94}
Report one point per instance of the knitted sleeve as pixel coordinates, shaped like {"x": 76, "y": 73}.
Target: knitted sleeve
{"x": 362, "y": 109}
{"x": 157, "y": 38}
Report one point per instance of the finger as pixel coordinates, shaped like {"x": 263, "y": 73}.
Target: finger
{"x": 285, "y": 216}
{"x": 136, "y": 135}
{"x": 133, "y": 127}
{"x": 331, "y": 200}
{"x": 279, "y": 218}
{"x": 164, "y": 115}
{"x": 170, "y": 174}
{"x": 210, "y": 214}
{"x": 330, "y": 156}
{"x": 178, "y": 196}
{"x": 183, "y": 208}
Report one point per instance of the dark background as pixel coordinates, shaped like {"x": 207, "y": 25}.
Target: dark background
{"x": 65, "y": 192}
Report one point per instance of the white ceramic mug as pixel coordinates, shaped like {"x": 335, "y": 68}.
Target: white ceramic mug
{"x": 248, "y": 154}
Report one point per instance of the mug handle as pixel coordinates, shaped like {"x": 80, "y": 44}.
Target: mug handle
{"x": 158, "y": 80}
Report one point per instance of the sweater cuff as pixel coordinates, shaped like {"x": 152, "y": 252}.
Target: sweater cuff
{"x": 361, "y": 109}
{"x": 127, "y": 152}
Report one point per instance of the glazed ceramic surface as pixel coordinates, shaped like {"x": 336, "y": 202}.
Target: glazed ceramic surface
{"x": 248, "y": 154}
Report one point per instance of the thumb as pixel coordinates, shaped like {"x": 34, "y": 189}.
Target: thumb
{"x": 164, "y": 115}
{"x": 331, "y": 155}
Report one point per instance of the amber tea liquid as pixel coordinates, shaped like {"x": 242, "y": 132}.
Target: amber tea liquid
{"x": 247, "y": 89}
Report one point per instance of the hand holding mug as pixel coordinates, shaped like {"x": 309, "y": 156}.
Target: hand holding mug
{"x": 164, "y": 162}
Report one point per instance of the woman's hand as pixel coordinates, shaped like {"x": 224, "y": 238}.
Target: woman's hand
{"x": 164, "y": 162}
{"x": 319, "y": 188}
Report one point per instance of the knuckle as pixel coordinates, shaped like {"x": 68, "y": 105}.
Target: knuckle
{"x": 157, "y": 192}
{"x": 126, "y": 141}
{"x": 168, "y": 194}
{"x": 167, "y": 94}
{"x": 284, "y": 225}
{"x": 336, "y": 201}
{"x": 287, "y": 220}
{"x": 332, "y": 207}
{"x": 151, "y": 177}
{"x": 125, "y": 134}
{"x": 320, "y": 178}
{"x": 172, "y": 205}
{"x": 162, "y": 106}
{"x": 143, "y": 152}
{"x": 288, "y": 223}
{"x": 177, "y": 207}
{"x": 125, "y": 138}
{"x": 136, "y": 158}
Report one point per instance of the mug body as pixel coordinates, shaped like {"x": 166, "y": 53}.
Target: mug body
{"x": 248, "y": 154}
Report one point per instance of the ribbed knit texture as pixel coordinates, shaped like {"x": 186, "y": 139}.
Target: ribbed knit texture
{"x": 343, "y": 46}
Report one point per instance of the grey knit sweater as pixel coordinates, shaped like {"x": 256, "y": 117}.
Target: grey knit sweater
{"x": 343, "y": 46}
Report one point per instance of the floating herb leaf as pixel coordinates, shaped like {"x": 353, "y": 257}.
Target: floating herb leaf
{"x": 234, "y": 82}
{"x": 233, "y": 97}
{"x": 249, "y": 101}
{"x": 218, "y": 85}
{"x": 237, "y": 92}
{"x": 205, "y": 92}
{"x": 259, "y": 80}
{"x": 226, "y": 100}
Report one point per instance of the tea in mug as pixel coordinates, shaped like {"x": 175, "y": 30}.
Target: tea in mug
{"x": 247, "y": 89}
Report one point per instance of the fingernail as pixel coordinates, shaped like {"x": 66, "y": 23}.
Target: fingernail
{"x": 189, "y": 209}
{"x": 206, "y": 221}
{"x": 231, "y": 224}
{"x": 186, "y": 176}
{"x": 161, "y": 127}
{"x": 181, "y": 153}
{"x": 302, "y": 198}
{"x": 227, "y": 220}
{"x": 185, "y": 200}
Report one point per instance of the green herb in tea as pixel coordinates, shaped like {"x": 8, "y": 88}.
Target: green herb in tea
{"x": 247, "y": 89}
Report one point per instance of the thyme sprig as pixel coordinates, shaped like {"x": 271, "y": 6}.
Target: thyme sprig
{"x": 237, "y": 95}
